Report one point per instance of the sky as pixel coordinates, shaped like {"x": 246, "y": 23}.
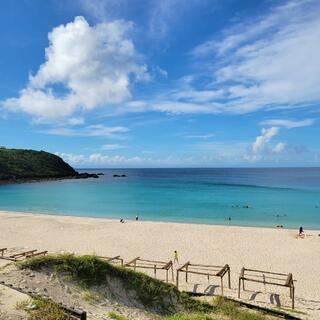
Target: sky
{"x": 171, "y": 83}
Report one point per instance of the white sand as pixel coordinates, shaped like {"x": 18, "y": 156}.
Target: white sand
{"x": 262, "y": 248}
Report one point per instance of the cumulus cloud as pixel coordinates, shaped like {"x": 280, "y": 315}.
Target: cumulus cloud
{"x": 279, "y": 147}
{"x": 264, "y": 138}
{"x": 260, "y": 144}
{"x": 86, "y": 67}
{"x": 287, "y": 123}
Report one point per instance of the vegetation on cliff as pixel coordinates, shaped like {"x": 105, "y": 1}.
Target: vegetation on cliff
{"x": 19, "y": 164}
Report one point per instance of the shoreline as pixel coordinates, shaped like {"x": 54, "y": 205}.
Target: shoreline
{"x": 156, "y": 221}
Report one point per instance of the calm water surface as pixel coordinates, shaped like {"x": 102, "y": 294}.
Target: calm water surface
{"x": 287, "y": 196}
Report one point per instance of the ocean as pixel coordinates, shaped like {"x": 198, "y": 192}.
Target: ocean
{"x": 228, "y": 196}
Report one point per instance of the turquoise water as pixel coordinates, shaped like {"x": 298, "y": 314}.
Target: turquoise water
{"x": 290, "y": 197}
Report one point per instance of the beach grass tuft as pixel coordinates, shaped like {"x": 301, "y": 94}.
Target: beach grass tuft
{"x": 234, "y": 311}
{"x": 42, "y": 309}
{"x": 115, "y": 316}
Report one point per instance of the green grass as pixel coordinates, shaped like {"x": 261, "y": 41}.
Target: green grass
{"x": 43, "y": 309}
{"x": 200, "y": 316}
{"x": 116, "y": 316}
{"x": 224, "y": 309}
{"x": 92, "y": 297}
{"x": 193, "y": 305}
{"x": 234, "y": 311}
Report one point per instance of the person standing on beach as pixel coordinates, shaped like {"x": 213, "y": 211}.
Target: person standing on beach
{"x": 176, "y": 260}
{"x": 301, "y": 233}
{"x": 137, "y": 218}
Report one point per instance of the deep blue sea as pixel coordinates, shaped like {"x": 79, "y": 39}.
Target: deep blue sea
{"x": 275, "y": 196}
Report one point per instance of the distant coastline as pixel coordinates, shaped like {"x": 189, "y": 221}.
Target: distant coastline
{"x": 20, "y": 166}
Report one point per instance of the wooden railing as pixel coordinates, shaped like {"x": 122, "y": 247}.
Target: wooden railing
{"x": 206, "y": 270}
{"x": 267, "y": 277}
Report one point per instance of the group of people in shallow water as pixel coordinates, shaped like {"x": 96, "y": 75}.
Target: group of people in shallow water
{"x": 246, "y": 206}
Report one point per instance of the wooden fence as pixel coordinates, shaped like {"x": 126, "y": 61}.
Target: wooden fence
{"x": 206, "y": 270}
{"x": 267, "y": 277}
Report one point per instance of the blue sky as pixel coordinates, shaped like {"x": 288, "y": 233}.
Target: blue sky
{"x": 171, "y": 83}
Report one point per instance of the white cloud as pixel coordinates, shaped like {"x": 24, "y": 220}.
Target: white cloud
{"x": 268, "y": 63}
{"x": 103, "y": 10}
{"x": 288, "y": 123}
{"x": 93, "y": 64}
{"x": 176, "y": 107}
{"x": 89, "y": 131}
{"x": 163, "y": 15}
{"x": 258, "y": 147}
{"x": 76, "y": 121}
{"x": 264, "y": 138}
{"x": 279, "y": 147}
{"x": 200, "y": 136}
{"x": 98, "y": 159}
{"x": 112, "y": 146}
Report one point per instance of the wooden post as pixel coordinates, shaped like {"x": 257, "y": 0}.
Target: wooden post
{"x": 187, "y": 272}
{"x": 135, "y": 264}
{"x": 155, "y": 271}
{"x": 239, "y": 288}
{"x": 221, "y": 285}
{"x": 2, "y": 251}
{"x": 208, "y": 277}
{"x": 177, "y": 279}
{"x": 229, "y": 279}
{"x": 172, "y": 273}
{"x": 167, "y": 275}
{"x": 292, "y": 297}
{"x": 242, "y": 277}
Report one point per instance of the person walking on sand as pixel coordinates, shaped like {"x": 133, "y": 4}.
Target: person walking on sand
{"x": 176, "y": 260}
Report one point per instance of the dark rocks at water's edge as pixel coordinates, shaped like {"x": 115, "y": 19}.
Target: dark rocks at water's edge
{"x": 119, "y": 176}
{"x": 19, "y": 166}
{"x": 86, "y": 175}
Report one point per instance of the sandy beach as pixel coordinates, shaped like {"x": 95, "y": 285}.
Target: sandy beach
{"x": 269, "y": 249}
